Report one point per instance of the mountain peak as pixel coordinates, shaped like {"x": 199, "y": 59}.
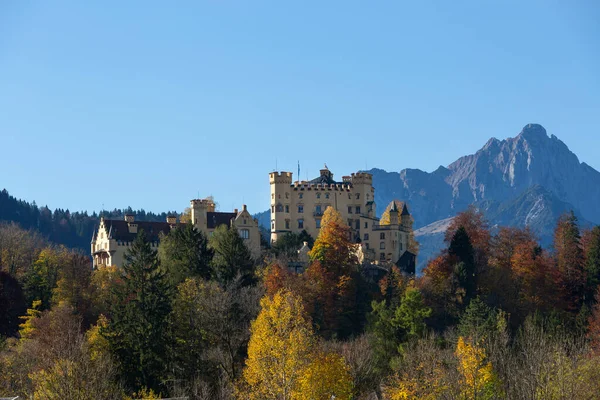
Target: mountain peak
{"x": 534, "y": 133}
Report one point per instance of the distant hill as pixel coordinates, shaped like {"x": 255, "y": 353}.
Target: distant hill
{"x": 527, "y": 180}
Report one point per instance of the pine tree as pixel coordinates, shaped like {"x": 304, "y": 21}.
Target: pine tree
{"x": 231, "y": 256}
{"x": 569, "y": 261}
{"x": 462, "y": 251}
{"x": 138, "y": 334}
{"x": 184, "y": 253}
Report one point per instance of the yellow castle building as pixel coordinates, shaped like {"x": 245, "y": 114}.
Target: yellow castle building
{"x": 114, "y": 237}
{"x": 299, "y": 205}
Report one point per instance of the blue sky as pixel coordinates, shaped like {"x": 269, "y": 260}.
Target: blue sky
{"x": 145, "y": 104}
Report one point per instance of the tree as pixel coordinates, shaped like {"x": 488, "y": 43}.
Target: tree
{"x": 326, "y": 377}
{"x": 461, "y": 251}
{"x": 73, "y": 285}
{"x": 12, "y": 304}
{"x": 410, "y": 316}
{"x": 184, "y": 253}
{"x": 592, "y": 261}
{"x": 333, "y": 248}
{"x": 594, "y": 325}
{"x": 569, "y": 261}
{"x": 43, "y": 276}
{"x": 478, "y": 378}
{"x": 211, "y": 329}
{"x": 289, "y": 244}
{"x": 477, "y": 228}
{"x": 478, "y": 321}
{"x": 231, "y": 256}
{"x": 138, "y": 330}
{"x": 280, "y": 348}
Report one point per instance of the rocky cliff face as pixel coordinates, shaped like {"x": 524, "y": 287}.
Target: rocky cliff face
{"x": 528, "y": 180}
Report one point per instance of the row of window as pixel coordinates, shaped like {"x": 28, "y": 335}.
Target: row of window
{"x": 301, "y": 195}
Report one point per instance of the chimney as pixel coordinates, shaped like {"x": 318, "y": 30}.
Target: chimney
{"x": 129, "y": 218}
{"x": 244, "y": 208}
{"x": 171, "y": 219}
{"x": 235, "y": 210}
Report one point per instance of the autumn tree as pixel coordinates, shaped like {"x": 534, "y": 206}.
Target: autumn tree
{"x": 138, "y": 329}
{"x": 231, "y": 256}
{"x": 477, "y": 228}
{"x": 42, "y": 277}
{"x": 478, "y": 379}
{"x": 184, "y": 253}
{"x": 333, "y": 247}
{"x": 280, "y": 348}
{"x": 327, "y": 376}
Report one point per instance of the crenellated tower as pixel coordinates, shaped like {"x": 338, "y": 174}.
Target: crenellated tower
{"x": 280, "y": 203}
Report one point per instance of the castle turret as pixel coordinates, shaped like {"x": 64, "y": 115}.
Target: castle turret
{"x": 394, "y": 214}
{"x": 199, "y": 209}
{"x": 280, "y": 202}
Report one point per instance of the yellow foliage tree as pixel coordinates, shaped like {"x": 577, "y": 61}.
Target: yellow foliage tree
{"x": 279, "y": 350}
{"x": 26, "y": 328}
{"x": 326, "y": 377}
{"x": 478, "y": 380}
{"x": 333, "y": 247}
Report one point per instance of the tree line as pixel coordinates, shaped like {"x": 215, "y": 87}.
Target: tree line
{"x": 71, "y": 229}
{"x": 494, "y": 316}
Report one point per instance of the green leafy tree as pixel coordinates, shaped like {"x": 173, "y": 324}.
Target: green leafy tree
{"x": 478, "y": 321}
{"x": 289, "y": 244}
{"x": 231, "y": 256}
{"x": 137, "y": 333}
{"x": 184, "y": 253}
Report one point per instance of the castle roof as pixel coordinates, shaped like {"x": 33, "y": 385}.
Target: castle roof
{"x": 214, "y": 219}
{"x": 119, "y": 229}
{"x": 396, "y": 205}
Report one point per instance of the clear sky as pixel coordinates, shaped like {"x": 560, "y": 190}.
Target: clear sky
{"x": 148, "y": 104}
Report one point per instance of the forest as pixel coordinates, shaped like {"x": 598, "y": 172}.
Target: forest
{"x": 493, "y": 316}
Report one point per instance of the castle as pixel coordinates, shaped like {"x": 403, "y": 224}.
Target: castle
{"x": 114, "y": 237}
{"x": 299, "y": 205}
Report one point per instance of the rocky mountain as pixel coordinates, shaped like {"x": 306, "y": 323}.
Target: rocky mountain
{"x": 528, "y": 180}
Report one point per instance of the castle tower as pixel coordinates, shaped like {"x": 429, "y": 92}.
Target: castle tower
{"x": 394, "y": 215}
{"x": 280, "y": 202}
{"x": 364, "y": 193}
{"x": 199, "y": 209}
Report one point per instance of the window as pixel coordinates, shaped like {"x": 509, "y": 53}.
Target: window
{"x": 349, "y": 222}
{"x": 318, "y": 195}
{"x": 382, "y": 235}
{"x": 318, "y": 221}
{"x": 300, "y": 195}
{"x": 279, "y": 208}
{"x": 244, "y": 221}
{"x": 318, "y": 210}
{"x": 287, "y": 208}
{"x": 301, "y": 224}
{"x": 349, "y": 209}
{"x": 367, "y": 246}
{"x": 244, "y": 233}
{"x": 272, "y": 209}
{"x": 366, "y": 237}
{"x": 358, "y": 224}
{"x": 287, "y": 224}
{"x": 382, "y": 245}
{"x": 278, "y": 196}
{"x": 400, "y": 246}
{"x": 300, "y": 208}
{"x": 382, "y": 256}
{"x": 357, "y": 196}
{"x": 272, "y": 195}
{"x": 287, "y": 195}
{"x": 273, "y": 224}
{"x": 358, "y": 209}
{"x": 326, "y": 195}
{"x": 349, "y": 196}
{"x": 366, "y": 224}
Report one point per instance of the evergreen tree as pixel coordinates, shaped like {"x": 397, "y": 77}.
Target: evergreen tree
{"x": 231, "y": 256}
{"x": 462, "y": 252}
{"x": 184, "y": 253}
{"x": 592, "y": 263}
{"x": 569, "y": 262}
{"x": 478, "y": 321}
{"x": 137, "y": 333}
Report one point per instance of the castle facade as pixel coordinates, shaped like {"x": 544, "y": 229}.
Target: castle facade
{"x": 114, "y": 237}
{"x": 299, "y": 205}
